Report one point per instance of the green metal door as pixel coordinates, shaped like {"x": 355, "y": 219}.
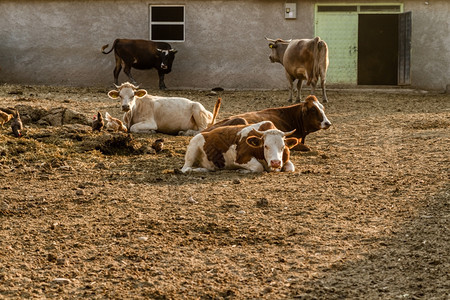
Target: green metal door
{"x": 340, "y": 32}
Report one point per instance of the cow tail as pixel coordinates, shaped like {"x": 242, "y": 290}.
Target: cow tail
{"x": 106, "y": 46}
{"x": 323, "y": 58}
{"x": 215, "y": 111}
{"x": 316, "y": 54}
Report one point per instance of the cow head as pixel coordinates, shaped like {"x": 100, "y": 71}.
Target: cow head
{"x": 127, "y": 92}
{"x": 274, "y": 144}
{"x": 278, "y": 47}
{"x": 167, "y": 57}
{"x": 313, "y": 113}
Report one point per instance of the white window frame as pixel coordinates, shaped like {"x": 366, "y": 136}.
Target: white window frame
{"x": 167, "y": 23}
{"x": 361, "y": 5}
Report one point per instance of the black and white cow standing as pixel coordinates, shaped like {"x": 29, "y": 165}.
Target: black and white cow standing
{"x": 142, "y": 55}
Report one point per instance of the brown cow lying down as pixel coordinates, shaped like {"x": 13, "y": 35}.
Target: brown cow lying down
{"x": 253, "y": 148}
{"x": 304, "y": 118}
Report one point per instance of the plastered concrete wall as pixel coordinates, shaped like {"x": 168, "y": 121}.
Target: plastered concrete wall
{"x": 59, "y": 42}
{"x": 430, "y": 57}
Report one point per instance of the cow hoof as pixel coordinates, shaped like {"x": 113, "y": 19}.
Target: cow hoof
{"x": 185, "y": 170}
{"x": 301, "y": 147}
{"x": 188, "y": 132}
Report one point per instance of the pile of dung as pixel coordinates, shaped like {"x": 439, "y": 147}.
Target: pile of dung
{"x": 117, "y": 144}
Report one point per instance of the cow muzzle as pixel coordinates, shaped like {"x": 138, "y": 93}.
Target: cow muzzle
{"x": 275, "y": 164}
{"x": 125, "y": 108}
{"x": 326, "y": 125}
{"x": 163, "y": 66}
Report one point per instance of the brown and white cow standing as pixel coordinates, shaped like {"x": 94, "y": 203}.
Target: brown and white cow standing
{"x": 253, "y": 148}
{"x": 170, "y": 115}
{"x": 303, "y": 59}
{"x": 304, "y": 118}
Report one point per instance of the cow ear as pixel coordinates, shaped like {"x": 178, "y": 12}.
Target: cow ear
{"x": 310, "y": 100}
{"x": 113, "y": 94}
{"x": 308, "y": 104}
{"x": 272, "y": 45}
{"x": 254, "y": 141}
{"x": 140, "y": 93}
{"x": 291, "y": 142}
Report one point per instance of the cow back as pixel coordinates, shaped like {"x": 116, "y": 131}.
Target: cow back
{"x": 283, "y": 118}
{"x": 141, "y": 54}
{"x": 218, "y": 142}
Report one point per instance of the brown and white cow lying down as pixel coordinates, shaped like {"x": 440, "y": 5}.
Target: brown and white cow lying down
{"x": 304, "y": 118}
{"x": 253, "y": 148}
{"x": 170, "y": 115}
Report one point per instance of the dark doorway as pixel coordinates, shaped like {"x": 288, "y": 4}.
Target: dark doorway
{"x": 378, "y": 49}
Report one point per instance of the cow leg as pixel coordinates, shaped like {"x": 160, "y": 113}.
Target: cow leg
{"x": 252, "y": 166}
{"x": 201, "y": 119}
{"x": 195, "y": 155}
{"x": 288, "y": 167}
{"x": 322, "y": 85}
{"x": 162, "y": 85}
{"x": 188, "y": 132}
{"x": 144, "y": 127}
{"x": 301, "y": 146}
{"x": 117, "y": 69}
{"x": 192, "y": 153}
{"x": 299, "y": 89}
{"x": 291, "y": 86}
{"x": 313, "y": 87}
{"x": 127, "y": 70}
{"x": 201, "y": 116}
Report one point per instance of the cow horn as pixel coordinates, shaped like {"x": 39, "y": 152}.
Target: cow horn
{"x": 286, "y": 41}
{"x": 117, "y": 86}
{"x": 173, "y": 50}
{"x": 159, "y": 50}
{"x": 289, "y": 133}
{"x": 256, "y": 132}
{"x": 270, "y": 40}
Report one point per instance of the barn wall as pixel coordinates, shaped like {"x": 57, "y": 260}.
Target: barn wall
{"x": 58, "y": 42}
{"x": 430, "y": 58}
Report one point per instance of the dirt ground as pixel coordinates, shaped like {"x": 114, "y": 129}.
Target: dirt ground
{"x": 101, "y": 215}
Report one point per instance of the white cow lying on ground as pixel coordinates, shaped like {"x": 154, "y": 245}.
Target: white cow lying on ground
{"x": 254, "y": 148}
{"x": 170, "y": 115}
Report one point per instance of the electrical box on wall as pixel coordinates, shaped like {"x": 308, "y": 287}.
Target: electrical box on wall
{"x": 290, "y": 10}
